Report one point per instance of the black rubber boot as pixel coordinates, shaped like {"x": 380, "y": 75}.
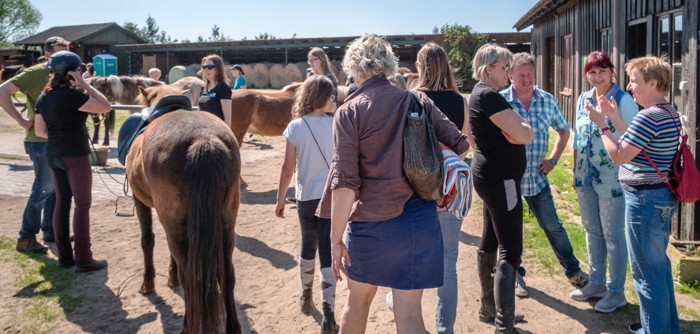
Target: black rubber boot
{"x": 504, "y": 294}
{"x": 328, "y": 325}
{"x": 485, "y": 266}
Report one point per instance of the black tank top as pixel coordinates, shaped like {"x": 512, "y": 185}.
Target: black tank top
{"x": 450, "y": 103}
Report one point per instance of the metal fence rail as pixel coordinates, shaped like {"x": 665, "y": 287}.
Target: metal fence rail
{"x": 114, "y": 107}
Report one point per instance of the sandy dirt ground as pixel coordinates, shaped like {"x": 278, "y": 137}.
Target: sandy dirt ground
{"x": 266, "y": 265}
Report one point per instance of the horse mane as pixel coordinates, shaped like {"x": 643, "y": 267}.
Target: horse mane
{"x": 150, "y": 95}
{"x": 291, "y": 87}
{"x": 115, "y": 83}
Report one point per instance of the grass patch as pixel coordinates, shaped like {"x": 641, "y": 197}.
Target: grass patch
{"x": 689, "y": 289}
{"x": 19, "y": 95}
{"x": 44, "y": 288}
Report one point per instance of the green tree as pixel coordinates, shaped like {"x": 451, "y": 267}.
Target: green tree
{"x": 217, "y": 36}
{"x": 151, "y": 33}
{"x": 18, "y": 19}
{"x": 461, "y": 44}
{"x": 265, "y": 36}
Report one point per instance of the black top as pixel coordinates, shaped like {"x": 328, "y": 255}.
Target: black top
{"x": 494, "y": 155}
{"x": 210, "y": 101}
{"x": 65, "y": 124}
{"x": 450, "y": 103}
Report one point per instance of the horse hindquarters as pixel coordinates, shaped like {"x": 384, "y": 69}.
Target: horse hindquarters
{"x": 209, "y": 165}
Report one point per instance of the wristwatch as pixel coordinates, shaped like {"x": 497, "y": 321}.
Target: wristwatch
{"x": 553, "y": 161}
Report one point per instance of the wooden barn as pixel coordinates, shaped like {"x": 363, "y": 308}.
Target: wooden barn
{"x": 565, "y": 31}
{"x": 89, "y": 40}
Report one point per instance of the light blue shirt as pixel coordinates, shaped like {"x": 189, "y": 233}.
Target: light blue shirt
{"x": 594, "y": 168}
{"x": 544, "y": 112}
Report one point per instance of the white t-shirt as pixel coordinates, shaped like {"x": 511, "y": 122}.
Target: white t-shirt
{"x": 311, "y": 171}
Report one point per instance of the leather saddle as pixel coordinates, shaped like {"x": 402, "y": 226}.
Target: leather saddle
{"x": 135, "y": 124}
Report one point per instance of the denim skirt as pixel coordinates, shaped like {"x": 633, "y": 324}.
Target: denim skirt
{"x": 405, "y": 252}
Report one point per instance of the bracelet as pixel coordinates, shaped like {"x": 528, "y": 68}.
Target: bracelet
{"x": 604, "y": 129}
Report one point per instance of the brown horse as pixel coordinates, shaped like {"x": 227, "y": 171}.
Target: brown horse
{"x": 192, "y": 85}
{"x": 187, "y": 166}
{"x": 118, "y": 90}
{"x": 262, "y": 113}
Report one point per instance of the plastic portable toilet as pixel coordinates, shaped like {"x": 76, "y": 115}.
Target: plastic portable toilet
{"x": 105, "y": 65}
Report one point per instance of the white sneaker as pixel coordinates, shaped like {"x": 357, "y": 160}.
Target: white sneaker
{"x": 588, "y": 292}
{"x": 611, "y": 302}
{"x": 390, "y": 301}
{"x": 520, "y": 287}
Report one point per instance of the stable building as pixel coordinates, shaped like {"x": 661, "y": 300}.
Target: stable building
{"x": 88, "y": 41}
{"x": 285, "y": 51}
{"x": 564, "y": 32}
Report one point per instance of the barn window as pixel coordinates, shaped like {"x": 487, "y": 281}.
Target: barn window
{"x": 606, "y": 41}
{"x": 567, "y": 46}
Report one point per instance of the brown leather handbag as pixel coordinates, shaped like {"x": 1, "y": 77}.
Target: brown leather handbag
{"x": 422, "y": 156}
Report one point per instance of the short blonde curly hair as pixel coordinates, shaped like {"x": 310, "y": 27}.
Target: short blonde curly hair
{"x": 368, "y": 56}
{"x": 651, "y": 67}
{"x": 486, "y": 55}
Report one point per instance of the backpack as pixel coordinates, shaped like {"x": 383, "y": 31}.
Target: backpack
{"x": 684, "y": 186}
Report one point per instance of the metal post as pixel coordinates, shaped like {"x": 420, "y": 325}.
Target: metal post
{"x": 128, "y": 59}
{"x": 286, "y": 57}
{"x": 617, "y": 29}
{"x": 167, "y": 61}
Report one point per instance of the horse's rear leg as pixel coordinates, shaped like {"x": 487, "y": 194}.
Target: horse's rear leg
{"x": 147, "y": 242}
{"x": 173, "y": 279}
{"x": 232, "y": 324}
{"x": 109, "y": 120}
{"x": 96, "y": 125}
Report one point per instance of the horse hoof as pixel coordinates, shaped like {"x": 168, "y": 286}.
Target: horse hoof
{"x": 173, "y": 284}
{"x": 146, "y": 289}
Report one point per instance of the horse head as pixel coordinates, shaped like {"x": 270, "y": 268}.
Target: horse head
{"x": 150, "y": 95}
{"x": 6, "y": 73}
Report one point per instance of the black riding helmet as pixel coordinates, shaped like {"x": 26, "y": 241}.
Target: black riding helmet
{"x": 62, "y": 62}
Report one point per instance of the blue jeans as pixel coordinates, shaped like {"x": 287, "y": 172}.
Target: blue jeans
{"x": 542, "y": 205}
{"x": 42, "y": 196}
{"x": 648, "y": 219}
{"x": 603, "y": 217}
{"x": 446, "y": 310}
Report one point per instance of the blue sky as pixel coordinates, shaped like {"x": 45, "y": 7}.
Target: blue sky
{"x": 311, "y": 18}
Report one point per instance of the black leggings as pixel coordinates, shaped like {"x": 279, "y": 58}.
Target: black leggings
{"x": 503, "y": 217}
{"x": 315, "y": 233}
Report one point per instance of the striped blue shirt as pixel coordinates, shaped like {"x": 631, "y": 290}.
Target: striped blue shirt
{"x": 652, "y": 130}
{"x": 544, "y": 112}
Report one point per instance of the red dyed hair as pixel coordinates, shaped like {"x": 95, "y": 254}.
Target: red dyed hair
{"x": 598, "y": 59}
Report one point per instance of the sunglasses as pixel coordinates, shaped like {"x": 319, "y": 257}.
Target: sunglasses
{"x": 311, "y": 60}
{"x": 208, "y": 67}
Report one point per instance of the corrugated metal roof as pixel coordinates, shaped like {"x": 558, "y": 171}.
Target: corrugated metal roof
{"x": 539, "y": 9}
{"x": 74, "y": 33}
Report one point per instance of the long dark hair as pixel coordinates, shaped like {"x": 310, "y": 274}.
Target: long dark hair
{"x": 313, "y": 94}
{"x": 57, "y": 81}
{"x": 434, "y": 72}
{"x": 320, "y": 54}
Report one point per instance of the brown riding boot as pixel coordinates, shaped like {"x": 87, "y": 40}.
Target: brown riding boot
{"x": 30, "y": 245}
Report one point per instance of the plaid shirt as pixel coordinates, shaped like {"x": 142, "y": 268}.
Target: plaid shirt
{"x": 544, "y": 112}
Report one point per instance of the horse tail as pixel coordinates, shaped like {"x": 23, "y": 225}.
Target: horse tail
{"x": 109, "y": 121}
{"x": 208, "y": 166}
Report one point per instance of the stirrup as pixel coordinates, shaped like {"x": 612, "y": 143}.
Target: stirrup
{"x": 116, "y": 207}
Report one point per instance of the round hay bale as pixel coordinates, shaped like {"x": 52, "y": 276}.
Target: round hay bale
{"x": 408, "y": 65}
{"x": 178, "y": 72}
{"x": 268, "y": 65}
{"x": 247, "y": 72}
{"x": 197, "y": 67}
{"x": 302, "y": 67}
{"x": 229, "y": 75}
{"x": 260, "y": 77}
{"x": 292, "y": 73}
{"x": 277, "y": 76}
